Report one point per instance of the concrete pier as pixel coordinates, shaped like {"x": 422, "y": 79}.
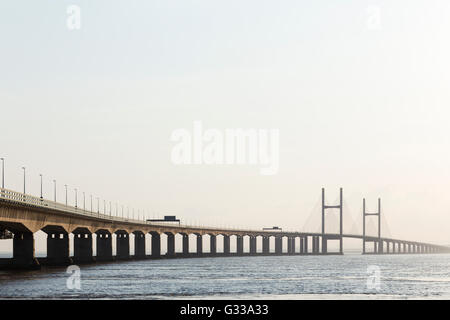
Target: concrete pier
{"x": 302, "y": 245}
{"x": 139, "y": 245}
{"x": 23, "y": 251}
{"x": 324, "y": 245}
{"x": 291, "y": 245}
{"x": 213, "y": 245}
{"x": 156, "y": 244}
{"x": 104, "y": 246}
{"x": 199, "y": 244}
{"x": 58, "y": 248}
{"x": 315, "y": 245}
{"x": 380, "y": 247}
{"x": 239, "y": 245}
{"x": 185, "y": 244}
{"x": 226, "y": 244}
{"x": 305, "y": 245}
{"x": 266, "y": 245}
{"x": 82, "y": 246}
{"x": 252, "y": 245}
{"x": 122, "y": 245}
{"x": 170, "y": 244}
{"x": 278, "y": 245}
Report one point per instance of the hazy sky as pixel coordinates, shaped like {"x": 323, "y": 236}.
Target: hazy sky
{"x": 359, "y": 91}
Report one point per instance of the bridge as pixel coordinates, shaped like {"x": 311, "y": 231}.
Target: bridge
{"x": 22, "y": 215}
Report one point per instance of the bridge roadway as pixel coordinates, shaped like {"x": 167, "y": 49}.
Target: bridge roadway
{"x": 24, "y": 215}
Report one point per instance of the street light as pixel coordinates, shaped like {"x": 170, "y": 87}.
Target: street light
{"x": 54, "y": 182}
{"x": 3, "y": 172}
{"x": 24, "y": 189}
{"x": 41, "y": 186}
{"x": 66, "y": 193}
{"x": 76, "y": 198}
{"x": 91, "y": 203}
{"x": 84, "y": 201}
{"x": 98, "y": 206}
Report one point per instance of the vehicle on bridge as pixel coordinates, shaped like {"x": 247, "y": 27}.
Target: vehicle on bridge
{"x": 273, "y": 228}
{"x": 166, "y": 219}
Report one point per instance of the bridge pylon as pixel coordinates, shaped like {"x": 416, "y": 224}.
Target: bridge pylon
{"x": 378, "y": 245}
{"x": 325, "y": 238}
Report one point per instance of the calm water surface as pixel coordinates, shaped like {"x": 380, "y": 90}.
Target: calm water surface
{"x": 288, "y": 277}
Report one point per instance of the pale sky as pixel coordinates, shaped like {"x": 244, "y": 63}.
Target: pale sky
{"x": 360, "y": 105}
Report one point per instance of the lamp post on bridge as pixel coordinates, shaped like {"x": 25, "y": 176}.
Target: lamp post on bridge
{"x": 98, "y": 206}
{"x": 3, "y": 172}
{"x": 84, "y": 201}
{"x": 24, "y": 181}
{"x": 54, "y": 189}
{"x": 76, "y": 198}
{"x": 65, "y": 186}
{"x": 41, "y": 186}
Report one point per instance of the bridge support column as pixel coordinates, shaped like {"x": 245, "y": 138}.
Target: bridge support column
{"x": 82, "y": 247}
{"x": 302, "y": 245}
{"x": 122, "y": 245}
{"x": 252, "y": 245}
{"x": 23, "y": 251}
{"x": 380, "y": 247}
{"x": 239, "y": 245}
{"x": 104, "y": 246}
{"x": 289, "y": 245}
{"x": 364, "y": 243}
{"x": 139, "y": 245}
{"x": 199, "y": 244}
{"x": 226, "y": 244}
{"x": 58, "y": 248}
{"x": 170, "y": 244}
{"x": 387, "y": 247}
{"x": 305, "y": 243}
{"x": 292, "y": 242}
{"x": 324, "y": 245}
{"x": 185, "y": 245}
{"x": 266, "y": 245}
{"x": 317, "y": 245}
{"x": 278, "y": 245}
{"x": 156, "y": 244}
{"x": 213, "y": 245}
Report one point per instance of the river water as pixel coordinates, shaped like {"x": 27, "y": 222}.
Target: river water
{"x": 267, "y": 277}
